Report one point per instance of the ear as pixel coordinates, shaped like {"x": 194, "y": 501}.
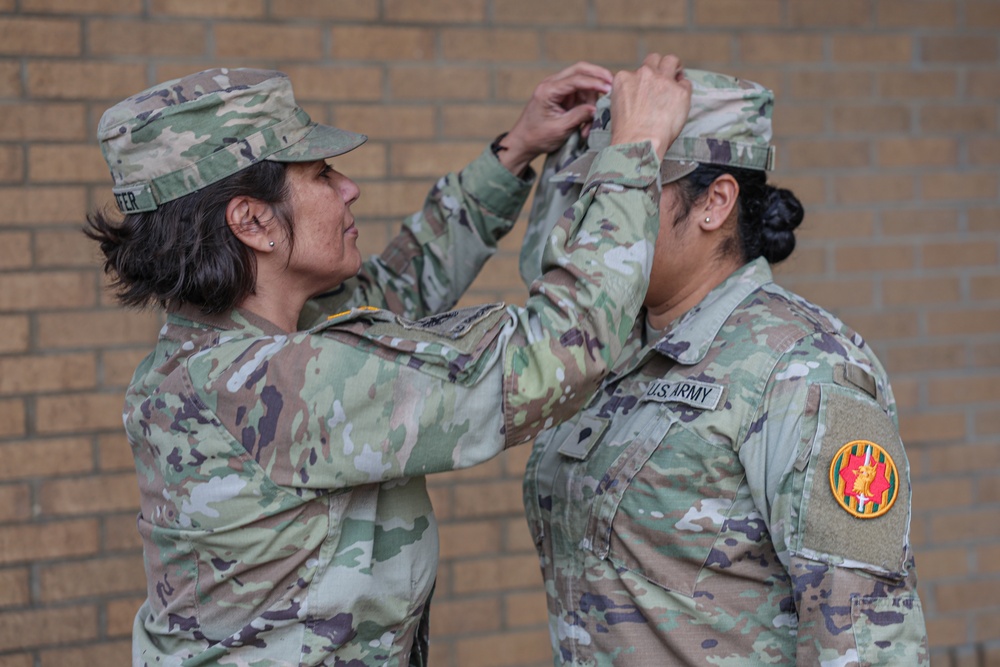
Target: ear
{"x": 244, "y": 215}
{"x": 719, "y": 202}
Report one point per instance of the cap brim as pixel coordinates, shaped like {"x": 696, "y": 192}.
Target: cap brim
{"x": 322, "y": 142}
{"x": 577, "y": 170}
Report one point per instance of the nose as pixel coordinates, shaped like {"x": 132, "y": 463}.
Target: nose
{"x": 348, "y": 189}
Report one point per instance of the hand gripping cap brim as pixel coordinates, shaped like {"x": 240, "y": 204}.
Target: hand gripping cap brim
{"x": 182, "y": 135}
{"x": 729, "y": 124}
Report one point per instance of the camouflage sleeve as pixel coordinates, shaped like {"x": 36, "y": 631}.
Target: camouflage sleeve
{"x": 440, "y": 249}
{"x": 827, "y": 469}
{"x": 371, "y": 396}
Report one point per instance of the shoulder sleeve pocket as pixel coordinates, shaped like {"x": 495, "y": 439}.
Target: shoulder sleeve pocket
{"x": 855, "y": 511}
{"x": 884, "y": 630}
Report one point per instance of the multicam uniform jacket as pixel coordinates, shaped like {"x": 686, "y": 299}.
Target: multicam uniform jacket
{"x": 284, "y": 513}
{"x": 736, "y": 493}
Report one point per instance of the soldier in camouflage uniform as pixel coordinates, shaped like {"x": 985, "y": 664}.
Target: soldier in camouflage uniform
{"x": 284, "y": 513}
{"x": 736, "y": 493}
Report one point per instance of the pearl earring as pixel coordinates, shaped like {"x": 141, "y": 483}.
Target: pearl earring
{"x": 708, "y": 220}
{"x": 270, "y": 243}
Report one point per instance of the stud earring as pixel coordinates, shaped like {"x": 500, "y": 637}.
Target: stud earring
{"x": 270, "y": 243}
{"x": 708, "y": 220}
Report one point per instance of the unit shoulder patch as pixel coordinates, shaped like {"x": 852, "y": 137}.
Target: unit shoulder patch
{"x": 864, "y": 479}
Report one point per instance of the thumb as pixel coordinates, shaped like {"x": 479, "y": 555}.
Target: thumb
{"x": 580, "y": 114}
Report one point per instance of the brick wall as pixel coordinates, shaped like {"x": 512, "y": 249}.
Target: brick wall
{"x": 887, "y": 127}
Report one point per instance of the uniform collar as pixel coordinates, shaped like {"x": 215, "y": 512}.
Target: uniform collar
{"x": 689, "y": 340}
{"x": 237, "y": 321}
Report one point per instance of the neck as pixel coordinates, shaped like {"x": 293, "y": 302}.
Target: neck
{"x": 682, "y": 298}
{"x": 282, "y": 312}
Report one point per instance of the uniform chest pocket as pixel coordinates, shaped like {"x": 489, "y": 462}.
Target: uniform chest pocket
{"x": 661, "y": 505}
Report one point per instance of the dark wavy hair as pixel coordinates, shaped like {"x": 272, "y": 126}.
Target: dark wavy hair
{"x": 184, "y": 252}
{"x": 766, "y": 216}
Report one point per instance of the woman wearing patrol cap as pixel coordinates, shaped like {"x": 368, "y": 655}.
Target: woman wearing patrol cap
{"x": 284, "y": 514}
{"x": 737, "y": 491}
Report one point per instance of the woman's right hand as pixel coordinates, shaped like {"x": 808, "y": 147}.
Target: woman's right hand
{"x": 651, "y": 103}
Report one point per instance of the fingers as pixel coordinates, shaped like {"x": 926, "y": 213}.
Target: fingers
{"x": 589, "y": 69}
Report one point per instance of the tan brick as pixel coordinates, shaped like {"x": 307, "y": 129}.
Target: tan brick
{"x": 941, "y": 494}
{"x": 439, "y": 83}
{"x": 114, "y": 453}
{"x": 988, "y": 493}
{"x": 779, "y": 48}
{"x": 483, "y": 44}
{"x": 342, "y": 10}
{"x": 825, "y": 225}
{"x": 487, "y": 470}
{"x": 534, "y": 13}
{"x": 112, "y": 7}
{"x": 121, "y": 614}
{"x": 488, "y": 499}
{"x": 14, "y": 587}
{"x": 966, "y": 596}
{"x": 947, "y": 631}
{"x": 870, "y": 119}
{"x": 39, "y": 37}
{"x": 958, "y": 49}
{"x": 834, "y": 293}
{"x": 15, "y": 502}
{"x": 10, "y": 79}
{"x": 610, "y": 48}
{"x": 965, "y": 119}
{"x": 382, "y": 43}
{"x": 242, "y": 40}
{"x": 431, "y": 159}
{"x": 983, "y": 219}
{"x": 118, "y": 365}
{"x": 16, "y": 659}
{"x": 950, "y": 185}
{"x": 924, "y": 357}
{"x": 227, "y": 9}
{"x": 517, "y": 537}
{"x": 810, "y": 189}
{"x": 986, "y": 626}
{"x": 917, "y": 151}
{"x": 30, "y": 291}
{"x": 66, "y": 164}
{"x": 65, "y": 249}
{"x": 916, "y": 13}
{"x": 387, "y": 122}
{"x": 11, "y": 164}
{"x": 817, "y": 13}
{"x": 15, "y": 250}
{"x": 736, "y": 13}
{"x": 803, "y": 262}
{"x": 906, "y": 222}
{"x": 511, "y": 649}
{"x": 341, "y": 84}
{"x": 45, "y": 627}
{"x": 496, "y": 574}
{"x": 960, "y": 254}
{"x": 517, "y": 85}
{"x": 461, "y": 617}
{"x": 831, "y": 153}
{"x": 986, "y": 354}
{"x": 87, "y": 495}
{"x": 81, "y": 579}
{"x": 966, "y": 389}
{"x": 699, "y": 49}
{"x": 120, "y": 533}
{"x": 37, "y": 458}
{"x": 822, "y": 85}
{"x": 146, "y": 38}
{"x": 947, "y": 563}
{"x": 918, "y": 290}
{"x": 71, "y": 413}
{"x": 873, "y": 188}
{"x": 13, "y": 333}
{"x": 984, "y": 288}
{"x": 881, "y": 48}
{"x": 464, "y": 539}
{"x": 984, "y": 84}
{"x": 984, "y": 151}
{"x": 98, "y": 328}
{"x": 85, "y": 80}
{"x": 105, "y": 653}
{"x": 33, "y": 374}
{"x": 483, "y": 121}
{"x": 918, "y": 85}
{"x": 436, "y": 11}
{"x": 47, "y": 541}
{"x": 23, "y": 206}
{"x": 639, "y": 13}
{"x": 525, "y": 609}
{"x": 980, "y": 14}
{"x": 54, "y": 121}
{"x": 870, "y": 257}
{"x": 12, "y": 418}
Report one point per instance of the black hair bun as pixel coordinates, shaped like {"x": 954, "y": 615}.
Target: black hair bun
{"x": 783, "y": 212}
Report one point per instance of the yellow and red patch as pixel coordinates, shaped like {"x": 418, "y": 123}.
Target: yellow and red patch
{"x": 864, "y": 479}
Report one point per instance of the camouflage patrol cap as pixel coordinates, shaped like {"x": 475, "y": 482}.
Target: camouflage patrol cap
{"x": 729, "y": 124}
{"x": 182, "y": 135}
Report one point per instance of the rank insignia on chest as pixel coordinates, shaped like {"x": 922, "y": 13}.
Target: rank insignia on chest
{"x": 864, "y": 479}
